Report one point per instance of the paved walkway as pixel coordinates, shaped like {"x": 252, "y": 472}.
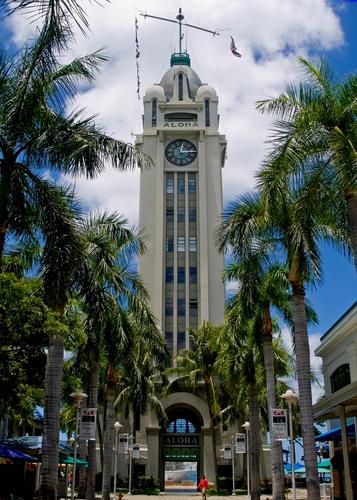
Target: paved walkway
{"x": 300, "y": 495}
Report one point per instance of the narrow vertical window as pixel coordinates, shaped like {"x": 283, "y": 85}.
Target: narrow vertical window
{"x": 181, "y": 244}
{"x": 169, "y": 185}
{"x": 207, "y": 113}
{"x": 180, "y": 86}
{"x": 154, "y": 112}
{"x": 193, "y": 244}
{"x": 191, "y": 184}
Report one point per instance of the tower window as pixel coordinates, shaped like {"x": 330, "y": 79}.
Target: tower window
{"x": 193, "y": 274}
{"x": 207, "y": 113}
{"x": 181, "y": 274}
{"x": 192, "y": 215}
{"x": 181, "y": 244}
{"x": 181, "y": 214}
{"x": 193, "y": 244}
{"x": 169, "y": 214}
{"x": 169, "y": 244}
{"x": 181, "y": 307}
{"x": 181, "y": 340}
{"x": 181, "y": 184}
{"x": 154, "y": 112}
{"x": 191, "y": 184}
{"x": 180, "y": 86}
{"x": 169, "y": 274}
{"x": 170, "y": 185}
{"x": 193, "y": 305}
{"x": 169, "y": 307}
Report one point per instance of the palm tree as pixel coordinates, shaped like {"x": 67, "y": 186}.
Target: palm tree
{"x": 196, "y": 366}
{"x": 130, "y": 331}
{"x": 238, "y": 362}
{"x": 74, "y": 259}
{"x": 291, "y": 224}
{"x": 317, "y": 133}
{"x": 35, "y": 133}
{"x": 262, "y": 287}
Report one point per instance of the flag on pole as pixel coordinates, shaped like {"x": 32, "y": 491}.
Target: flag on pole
{"x": 137, "y": 55}
{"x": 234, "y": 49}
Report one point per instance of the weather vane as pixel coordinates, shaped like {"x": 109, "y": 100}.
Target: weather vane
{"x": 179, "y": 18}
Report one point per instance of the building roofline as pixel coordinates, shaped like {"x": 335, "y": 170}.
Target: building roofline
{"x": 339, "y": 320}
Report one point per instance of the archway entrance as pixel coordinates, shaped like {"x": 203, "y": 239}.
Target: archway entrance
{"x": 181, "y": 450}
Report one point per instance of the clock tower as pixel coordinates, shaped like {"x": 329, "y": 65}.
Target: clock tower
{"x": 181, "y": 202}
{"x": 180, "y": 208}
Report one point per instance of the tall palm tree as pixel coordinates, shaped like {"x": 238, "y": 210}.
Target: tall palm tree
{"x": 317, "y": 132}
{"x": 262, "y": 287}
{"x": 131, "y": 329}
{"x": 196, "y": 366}
{"x": 35, "y": 132}
{"x": 238, "y": 362}
{"x": 74, "y": 259}
{"x": 292, "y": 225}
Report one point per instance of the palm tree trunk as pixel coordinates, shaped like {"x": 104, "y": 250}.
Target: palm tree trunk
{"x": 351, "y": 200}
{"x": 302, "y": 353}
{"x": 51, "y": 425}
{"x": 4, "y": 212}
{"x": 276, "y": 448}
{"x": 108, "y": 436}
{"x": 254, "y": 444}
{"x": 214, "y": 441}
{"x": 92, "y": 403}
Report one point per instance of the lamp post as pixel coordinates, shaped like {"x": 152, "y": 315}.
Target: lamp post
{"x": 233, "y": 479}
{"x": 290, "y": 397}
{"x": 130, "y": 450}
{"x": 117, "y": 427}
{"x": 246, "y": 426}
{"x": 78, "y": 396}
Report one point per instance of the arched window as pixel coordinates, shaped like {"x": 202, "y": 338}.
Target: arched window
{"x": 181, "y": 425}
{"x": 180, "y": 86}
{"x": 207, "y": 113}
{"x": 340, "y": 377}
{"x": 154, "y": 113}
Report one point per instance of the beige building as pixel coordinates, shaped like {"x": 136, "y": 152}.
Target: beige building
{"x": 338, "y": 350}
{"x": 180, "y": 205}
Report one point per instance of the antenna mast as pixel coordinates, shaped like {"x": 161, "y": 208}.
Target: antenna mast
{"x": 179, "y": 18}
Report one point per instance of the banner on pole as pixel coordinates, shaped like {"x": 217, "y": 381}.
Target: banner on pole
{"x": 240, "y": 443}
{"x": 87, "y": 427}
{"x": 123, "y": 442}
{"x": 136, "y": 451}
{"x": 227, "y": 451}
{"x": 279, "y": 421}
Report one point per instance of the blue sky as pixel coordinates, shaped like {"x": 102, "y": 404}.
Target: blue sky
{"x": 269, "y": 34}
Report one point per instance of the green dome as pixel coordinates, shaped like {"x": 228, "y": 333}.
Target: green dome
{"x": 181, "y": 59}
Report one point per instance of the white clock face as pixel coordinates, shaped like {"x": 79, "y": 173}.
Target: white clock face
{"x": 181, "y": 152}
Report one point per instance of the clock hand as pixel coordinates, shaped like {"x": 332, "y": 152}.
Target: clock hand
{"x": 187, "y": 151}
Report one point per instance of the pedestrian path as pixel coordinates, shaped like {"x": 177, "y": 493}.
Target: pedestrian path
{"x": 300, "y": 495}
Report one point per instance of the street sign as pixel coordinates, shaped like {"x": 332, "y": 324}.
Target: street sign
{"x": 279, "y": 421}
{"x": 227, "y": 449}
{"x": 136, "y": 451}
{"x": 87, "y": 428}
{"x": 123, "y": 442}
{"x": 240, "y": 443}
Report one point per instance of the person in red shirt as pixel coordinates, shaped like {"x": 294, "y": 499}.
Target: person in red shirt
{"x": 203, "y": 485}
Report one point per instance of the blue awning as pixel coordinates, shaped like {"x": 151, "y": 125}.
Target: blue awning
{"x": 336, "y": 432}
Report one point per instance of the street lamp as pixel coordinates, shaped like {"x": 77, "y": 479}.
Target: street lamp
{"x": 117, "y": 427}
{"x": 233, "y": 479}
{"x": 290, "y": 397}
{"x": 78, "y": 396}
{"x": 246, "y": 426}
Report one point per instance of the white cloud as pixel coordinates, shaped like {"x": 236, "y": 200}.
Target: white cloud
{"x": 315, "y": 363}
{"x": 270, "y": 35}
